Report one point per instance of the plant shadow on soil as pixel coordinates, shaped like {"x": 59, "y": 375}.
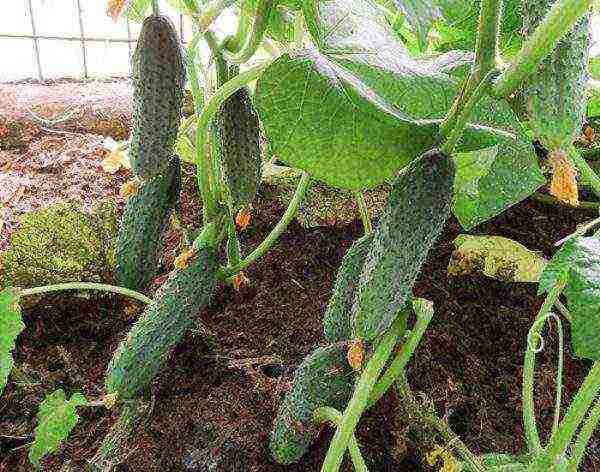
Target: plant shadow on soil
{"x": 469, "y": 363}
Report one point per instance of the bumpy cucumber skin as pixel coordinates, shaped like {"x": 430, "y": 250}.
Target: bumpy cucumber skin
{"x": 555, "y": 95}
{"x": 239, "y": 134}
{"x": 145, "y": 218}
{"x": 336, "y": 321}
{"x": 143, "y": 353}
{"x": 418, "y": 207}
{"x": 323, "y": 379}
{"x": 158, "y": 85}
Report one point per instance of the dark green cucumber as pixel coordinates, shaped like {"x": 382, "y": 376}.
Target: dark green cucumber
{"x": 418, "y": 207}
{"x": 158, "y": 85}
{"x": 239, "y": 133}
{"x": 143, "y": 353}
{"x": 556, "y": 94}
{"x": 145, "y": 218}
{"x": 323, "y": 379}
{"x": 336, "y": 321}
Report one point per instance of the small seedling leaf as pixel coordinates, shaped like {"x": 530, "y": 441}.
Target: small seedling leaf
{"x": 56, "y": 418}
{"x": 496, "y": 257}
{"x": 11, "y": 326}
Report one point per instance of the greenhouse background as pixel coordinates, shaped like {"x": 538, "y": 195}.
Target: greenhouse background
{"x": 75, "y": 38}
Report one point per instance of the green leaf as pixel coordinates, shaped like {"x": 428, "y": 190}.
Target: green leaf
{"x": 496, "y": 257}
{"x": 578, "y": 263}
{"x": 11, "y": 325}
{"x": 56, "y": 418}
{"x": 360, "y": 107}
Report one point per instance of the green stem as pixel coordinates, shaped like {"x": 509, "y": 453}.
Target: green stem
{"x": 580, "y": 231}
{"x": 531, "y": 432}
{"x": 558, "y": 22}
{"x": 364, "y": 211}
{"x": 577, "y": 410}
{"x": 155, "y": 10}
{"x": 424, "y": 312}
{"x": 327, "y": 413}
{"x": 299, "y": 28}
{"x": 233, "y": 245}
{"x": 360, "y": 397}
{"x": 86, "y": 286}
{"x": 234, "y": 43}
{"x": 486, "y": 55}
{"x": 586, "y": 171}
{"x": 203, "y": 164}
{"x": 541, "y": 197}
{"x": 255, "y": 35}
{"x": 279, "y": 228}
{"x": 461, "y": 120}
{"x": 431, "y": 420}
{"x": 563, "y": 311}
{"x": 210, "y": 12}
{"x": 584, "y": 436}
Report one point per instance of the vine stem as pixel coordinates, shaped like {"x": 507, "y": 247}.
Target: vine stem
{"x": 531, "y": 433}
{"x": 360, "y": 397}
{"x": 155, "y": 10}
{"x": 424, "y": 311}
{"x": 279, "y": 228}
{"x": 430, "y": 418}
{"x": 255, "y": 35}
{"x": 86, "y": 286}
{"x": 234, "y": 43}
{"x": 586, "y": 171}
{"x": 586, "y": 394}
{"x": 364, "y": 211}
{"x": 584, "y": 436}
{"x": 558, "y": 22}
{"x": 581, "y": 230}
{"x": 543, "y": 198}
{"x": 327, "y": 413}
{"x": 486, "y": 55}
{"x": 211, "y": 11}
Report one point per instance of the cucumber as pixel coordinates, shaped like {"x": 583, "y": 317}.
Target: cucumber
{"x": 336, "y": 321}
{"x": 324, "y": 378}
{"x": 555, "y": 97}
{"x": 145, "y": 218}
{"x": 143, "y": 353}
{"x": 158, "y": 87}
{"x": 239, "y": 133}
{"x": 418, "y": 207}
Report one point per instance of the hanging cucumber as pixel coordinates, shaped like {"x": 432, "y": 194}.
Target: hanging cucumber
{"x": 323, "y": 379}
{"x": 555, "y": 97}
{"x": 336, "y": 321}
{"x": 418, "y": 207}
{"x": 239, "y": 133}
{"x": 158, "y": 85}
{"x": 143, "y": 353}
{"x": 145, "y": 218}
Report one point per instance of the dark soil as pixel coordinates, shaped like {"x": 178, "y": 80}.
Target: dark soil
{"x": 469, "y": 363}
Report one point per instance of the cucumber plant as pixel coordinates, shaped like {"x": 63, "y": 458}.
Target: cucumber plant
{"x": 348, "y": 95}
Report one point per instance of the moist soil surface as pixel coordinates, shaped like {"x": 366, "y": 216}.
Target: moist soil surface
{"x": 224, "y": 382}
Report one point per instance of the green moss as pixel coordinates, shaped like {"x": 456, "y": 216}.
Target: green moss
{"x": 61, "y": 243}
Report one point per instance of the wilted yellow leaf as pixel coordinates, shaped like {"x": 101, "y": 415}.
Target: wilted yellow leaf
{"x": 449, "y": 462}
{"x": 564, "y": 179}
{"x": 130, "y": 188}
{"x": 496, "y": 257}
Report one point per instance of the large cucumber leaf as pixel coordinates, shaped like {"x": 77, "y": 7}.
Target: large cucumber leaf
{"x": 358, "y": 107}
{"x": 11, "y": 326}
{"x": 56, "y": 418}
{"x": 578, "y": 264}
